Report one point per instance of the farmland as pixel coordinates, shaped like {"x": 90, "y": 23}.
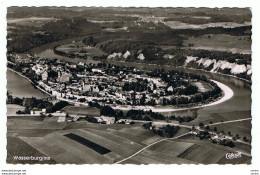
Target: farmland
{"x": 47, "y": 137}
{"x": 220, "y": 42}
{"x": 78, "y": 49}
{"x": 31, "y": 21}
{"x": 12, "y": 109}
{"x": 75, "y": 110}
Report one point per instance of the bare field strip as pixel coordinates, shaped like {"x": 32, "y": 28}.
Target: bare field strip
{"x": 100, "y": 149}
{"x": 113, "y": 144}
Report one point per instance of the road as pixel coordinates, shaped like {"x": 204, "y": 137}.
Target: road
{"x": 148, "y": 147}
{"x": 231, "y": 121}
{"x": 184, "y": 126}
{"x": 200, "y": 129}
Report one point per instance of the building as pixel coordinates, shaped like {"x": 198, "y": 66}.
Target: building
{"x": 64, "y": 77}
{"x": 45, "y": 76}
{"x": 37, "y": 111}
{"x": 105, "y": 119}
{"x": 62, "y": 119}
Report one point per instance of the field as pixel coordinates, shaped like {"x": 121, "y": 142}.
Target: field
{"x": 76, "y": 110}
{"x": 221, "y": 116}
{"x": 79, "y": 49}
{"x": 31, "y": 21}
{"x": 47, "y": 137}
{"x": 187, "y": 150}
{"x": 44, "y": 136}
{"x": 242, "y": 128}
{"x": 202, "y": 86}
{"x": 220, "y": 42}
{"x": 15, "y": 144}
{"x": 182, "y": 25}
{"x": 12, "y": 109}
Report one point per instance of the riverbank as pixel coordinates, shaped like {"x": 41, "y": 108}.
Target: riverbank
{"x": 44, "y": 91}
{"x": 170, "y": 66}
{"x": 52, "y": 46}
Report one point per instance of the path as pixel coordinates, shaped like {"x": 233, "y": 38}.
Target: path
{"x": 230, "y": 121}
{"x": 148, "y": 147}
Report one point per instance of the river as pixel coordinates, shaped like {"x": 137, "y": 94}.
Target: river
{"x": 239, "y": 106}
{"x": 20, "y": 87}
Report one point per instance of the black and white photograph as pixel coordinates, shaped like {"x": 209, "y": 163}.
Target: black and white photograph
{"x": 132, "y": 85}
{"x": 95, "y": 85}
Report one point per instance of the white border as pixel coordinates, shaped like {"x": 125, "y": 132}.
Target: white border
{"x": 152, "y": 169}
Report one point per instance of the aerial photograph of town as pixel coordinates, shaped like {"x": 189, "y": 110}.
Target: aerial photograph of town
{"x": 128, "y": 85}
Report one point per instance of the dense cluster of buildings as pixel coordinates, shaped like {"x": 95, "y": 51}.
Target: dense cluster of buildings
{"x": 80, "y": 83}
{"x": 84, "y": 83}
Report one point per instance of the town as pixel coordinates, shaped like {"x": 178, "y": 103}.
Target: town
{"x": 80, "y": 83}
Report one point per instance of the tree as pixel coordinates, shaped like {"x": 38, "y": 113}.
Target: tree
{"x": 19, "y": 112}
{"x": 201, "y": 125}
{"x": 207, "y": 127}
{"x": 237, "y": 136}
{"x": 107, "y": 111}
{"x": 142, "y": 100}
{"x": 59, "y": 105}
{"x": 215, "y": 129}
{"x": 17, "y": 101}
{"x": 193, "y": 127}
{"x": 179, "y": 44}
{"x": 245, "y": 138}
{"x": 120, "y": 114}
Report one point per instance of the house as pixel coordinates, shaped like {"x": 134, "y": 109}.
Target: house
{"x": 170, "y": 89}
{"x": 65, "y": 77}
{"x": 97, "y": 70}
{"x": 62, "y": 119}
{"x": 124, "y": 121}
{"x": 105, "y": 119}
{"x": 45, "y": 76}
{"x": 36, "y": 111}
